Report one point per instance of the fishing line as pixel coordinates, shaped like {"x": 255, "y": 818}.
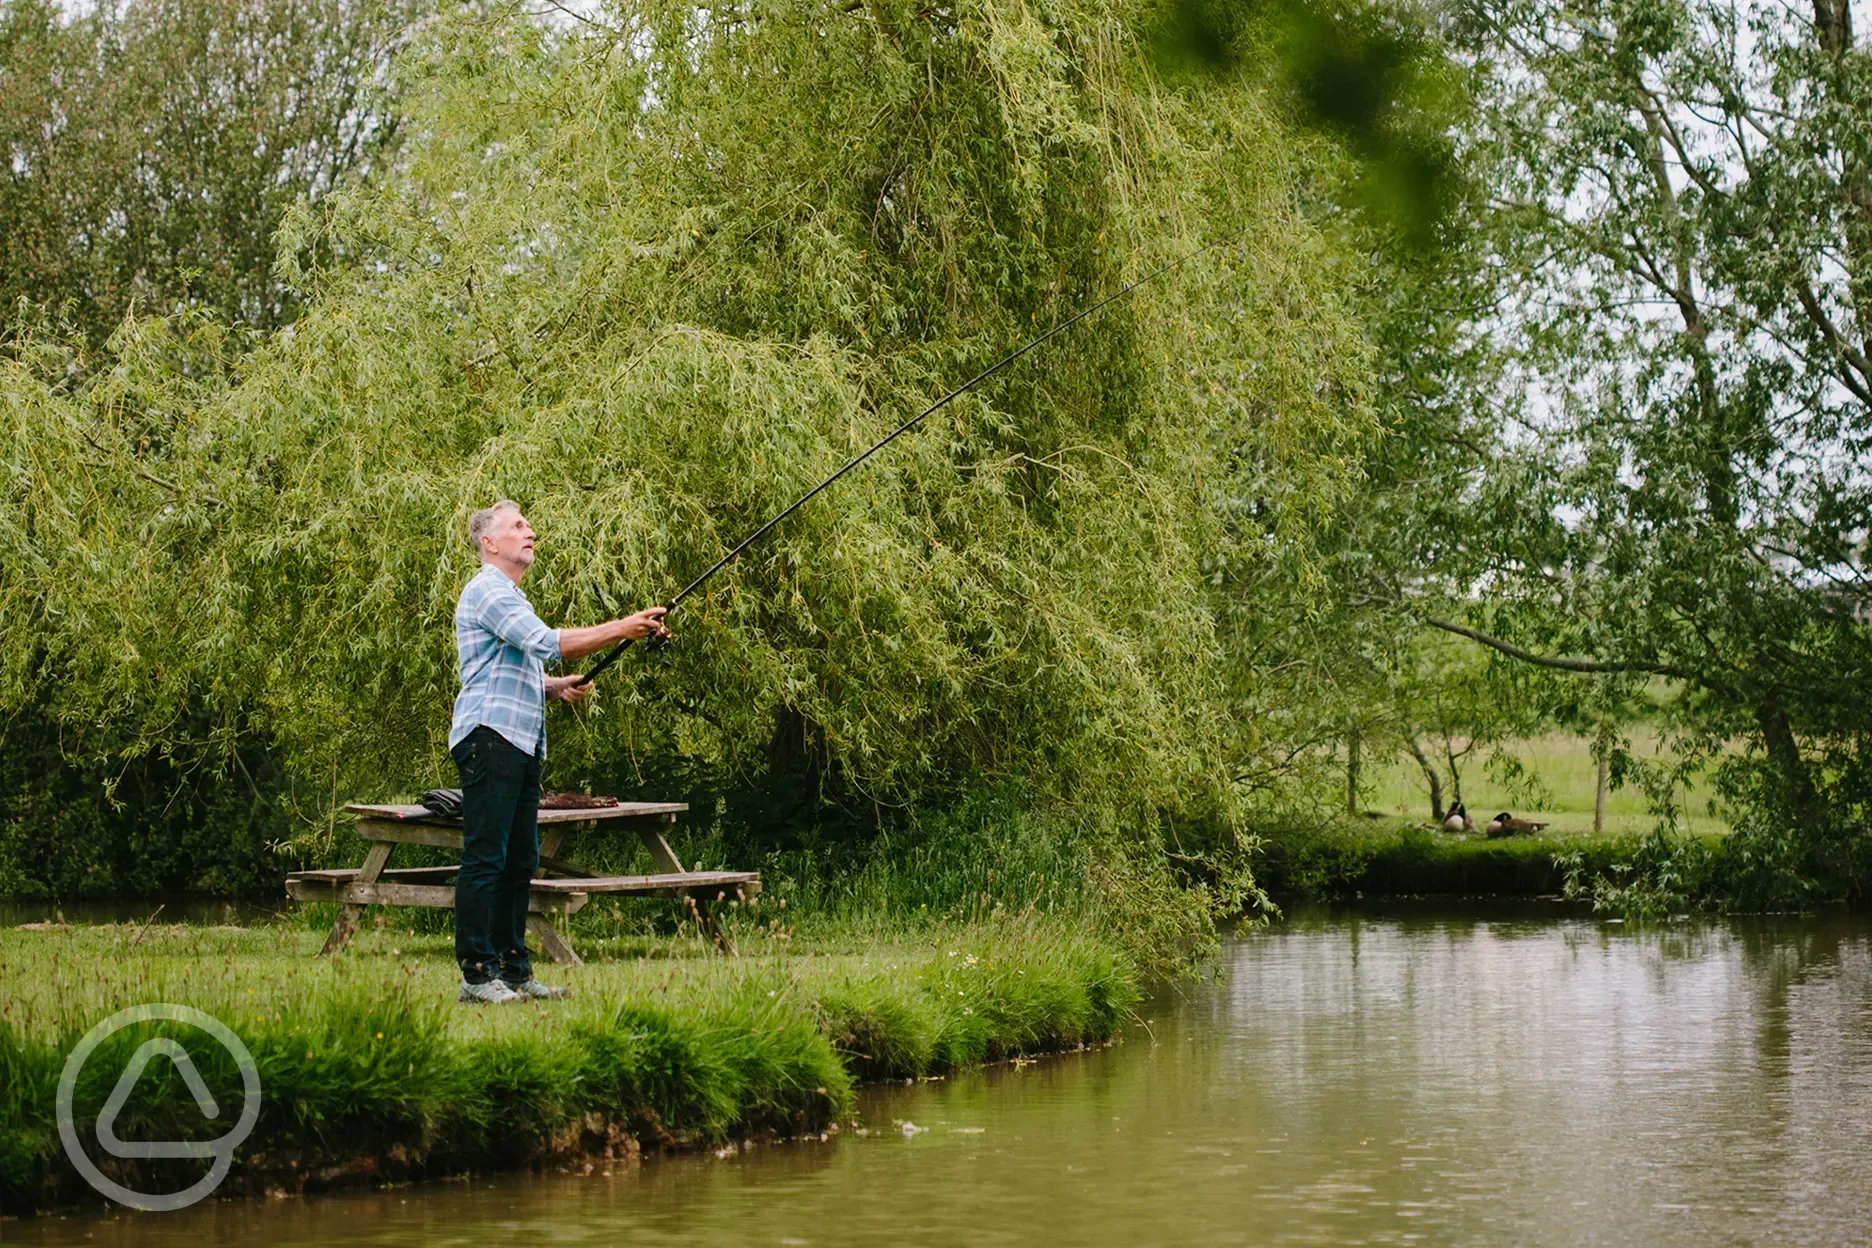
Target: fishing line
{"x": 612, "y": 655}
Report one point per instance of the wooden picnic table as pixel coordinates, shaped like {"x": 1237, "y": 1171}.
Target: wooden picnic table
{"x": 386, "y": 827}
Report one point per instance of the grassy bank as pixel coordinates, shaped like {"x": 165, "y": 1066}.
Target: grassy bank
{"x": 1392, "y": 851}
{"x": 369, "y": 1070}
{"x": 1392, "y": 858}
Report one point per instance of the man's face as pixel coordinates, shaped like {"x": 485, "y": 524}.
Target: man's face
{"x": 510, "y": 540}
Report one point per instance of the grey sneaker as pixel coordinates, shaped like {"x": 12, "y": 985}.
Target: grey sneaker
{"x": 533, "y": 989}
{"x": 491, "y": 993}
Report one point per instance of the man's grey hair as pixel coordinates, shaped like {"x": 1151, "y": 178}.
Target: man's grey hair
{"x": 483, "y": 520}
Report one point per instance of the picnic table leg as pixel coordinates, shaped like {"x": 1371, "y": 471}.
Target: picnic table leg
{"x": 666, "y": 858}
{"x": 549, "y": 938}
{"x": 554, "y": 836}
{"x": 551, "y": 839}
{"x": 348, "y": 917}
{"x": 551, "y": 941}
{"x": 659, "y": 848}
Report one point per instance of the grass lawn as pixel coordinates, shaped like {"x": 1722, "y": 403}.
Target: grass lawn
{"x": 1564, "y": 765}
{"x": 62, "y": 981}
{"x": 368, "y": 1066}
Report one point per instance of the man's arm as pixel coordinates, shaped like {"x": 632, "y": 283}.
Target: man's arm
{"x": 508, "y": 617}
{"x": 505, "y": 613}
{"x": 576, "y": 643}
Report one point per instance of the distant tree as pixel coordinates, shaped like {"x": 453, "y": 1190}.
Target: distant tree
{"x": 1679, "y": 349}
{"x": 150, "y": 147}
{"x": 1453, "y": 705}
{"x": 148, "y": 151}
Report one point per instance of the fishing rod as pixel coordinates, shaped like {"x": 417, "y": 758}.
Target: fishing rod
{"x": 661, "y": 641}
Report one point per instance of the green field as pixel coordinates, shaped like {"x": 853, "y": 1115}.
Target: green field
{"x": 1564, "y": 766}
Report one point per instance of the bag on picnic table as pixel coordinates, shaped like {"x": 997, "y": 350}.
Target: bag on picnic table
{"x": 444, "y": 802}
{"x": 575, "y": 801}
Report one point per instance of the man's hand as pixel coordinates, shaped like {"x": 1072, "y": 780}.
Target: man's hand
{"x": 567, "y": 689}
{"x": 645, "y": 622}
{"x": 576, "y": 643}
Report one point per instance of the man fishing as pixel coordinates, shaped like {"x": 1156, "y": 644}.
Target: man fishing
{"x": 498, "y": 741}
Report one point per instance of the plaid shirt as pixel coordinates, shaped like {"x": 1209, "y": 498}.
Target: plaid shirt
{"x": 503, "y": 648}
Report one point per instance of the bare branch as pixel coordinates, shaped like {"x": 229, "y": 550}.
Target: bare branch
{"x": 1810, "y": 303}
{"x": 1589, "y": 666}
{"x": 1668, "y": 128}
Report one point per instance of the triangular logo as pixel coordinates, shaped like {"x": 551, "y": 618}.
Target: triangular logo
{"x": 126, "y": 1083}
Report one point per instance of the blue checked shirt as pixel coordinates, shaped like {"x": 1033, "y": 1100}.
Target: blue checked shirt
{"x": 504, "y": 649}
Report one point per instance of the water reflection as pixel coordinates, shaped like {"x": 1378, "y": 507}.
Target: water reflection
{"x": 1384, "y": 1080}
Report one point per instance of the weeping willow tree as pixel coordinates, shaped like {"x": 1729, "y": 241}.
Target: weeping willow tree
{"x": 652, "y": 273}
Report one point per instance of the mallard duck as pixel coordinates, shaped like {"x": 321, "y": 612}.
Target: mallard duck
{"x": 1457, "y": 820}
{"x": 1506, "y": 824}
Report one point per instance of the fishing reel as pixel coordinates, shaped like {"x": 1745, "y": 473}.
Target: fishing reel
{"x": 655, "y": 643}
{"x": 661, "y": 641}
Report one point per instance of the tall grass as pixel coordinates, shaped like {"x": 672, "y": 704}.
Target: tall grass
{"x": 367, "y": 1067}
{"x": 989, "y": 854}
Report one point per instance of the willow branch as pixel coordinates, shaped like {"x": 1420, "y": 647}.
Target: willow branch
{"x": 147, "y": 475}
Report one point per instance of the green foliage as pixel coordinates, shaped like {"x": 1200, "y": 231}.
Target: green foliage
{"x": 1454, "y": 705}
{"x": 78, "y": 820}
{"x": 1376, "y": 78}
{"x": 1768, "y": 864}
{"x": 154, "y": 144}
{"x": 1372, "y": 77}
{"x": 990, "y": 851}
{"x": 1641, "y": 398}
{"x": 153, "y": 148}
{"x": 1721, "y": 534}
{"x": 655, "y": 275}
{"x": 1320, "y": 859}
{"x": 1348, "y": 682}
{"x": 991, "y": 857}
{"x": 1665, "y": 875}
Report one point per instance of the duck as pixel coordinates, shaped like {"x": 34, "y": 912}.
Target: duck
{"x": 1457, "y": 820}
{"x": 1506, "y": 824}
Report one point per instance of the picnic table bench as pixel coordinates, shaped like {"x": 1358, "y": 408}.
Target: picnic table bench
{"x": 386, "y": 827}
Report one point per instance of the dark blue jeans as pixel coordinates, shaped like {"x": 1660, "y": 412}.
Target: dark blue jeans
{"x": 500, "y": 851}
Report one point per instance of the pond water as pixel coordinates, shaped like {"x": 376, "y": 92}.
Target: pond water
{"x": 201, "y": 910}
{"x": 1350, "y": 1079}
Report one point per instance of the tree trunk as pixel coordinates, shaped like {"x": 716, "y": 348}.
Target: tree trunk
{"x": 1784, "y": 753}
{"x": 1605, "y": 778}
{"x": 1352, "y": 772}
{"x": 1435, "y": 781}
{"x": 1834, "y": 30}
